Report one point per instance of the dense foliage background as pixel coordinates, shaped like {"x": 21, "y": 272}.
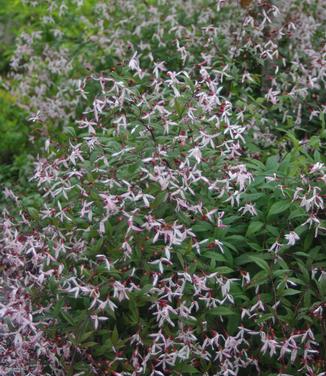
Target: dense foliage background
{"x": 162, "y": 187}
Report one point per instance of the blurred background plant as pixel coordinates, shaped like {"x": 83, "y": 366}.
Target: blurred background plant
{"x": 15, "y": 149}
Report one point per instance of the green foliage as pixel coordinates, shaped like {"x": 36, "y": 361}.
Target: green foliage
{"x": 262, "y": 245}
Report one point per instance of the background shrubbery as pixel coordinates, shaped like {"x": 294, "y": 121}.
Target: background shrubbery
{"x": 162, "y": 166}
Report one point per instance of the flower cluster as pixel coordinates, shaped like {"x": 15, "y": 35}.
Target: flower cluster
{"x": 166, "y": 241}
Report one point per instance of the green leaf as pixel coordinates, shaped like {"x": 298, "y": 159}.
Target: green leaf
{"x": 69, "y": 130}
{"x": 307, "y": 299}
{"x": 222, "y": 311}
{"x": 259, "y": 278}
{"x": 265, "y": 317}
{"x": 34, "y": 213}
{"x": 90, "y": 344}
{"x": 185, "y": 368}
{"x": 289, "y": 292}
{"x": 224, "y": 270}
{"x": 260, "y": 262}
{"x": 254, "y": 227}
{"x": 275, "y": 231}
{"x": 278, "y": 207}
{"x": 67, "y": 317}
{"x": 272, "y": 163}
{"x": 202, "y": 227}
{"x": 115, "y": 336}
{"x": 85, "y": 336}
{"x": 214, "y": 256}
{"x": 159, "y": 200}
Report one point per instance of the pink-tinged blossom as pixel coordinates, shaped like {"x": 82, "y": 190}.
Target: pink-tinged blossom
{"x": 163, "y": 311}
{"x": 292, "y": 237}
{"x": 270, "y": 345}
{"x": 196, "y": 153}
{"x": 121, "y": 218}
{"x": 248, "y": 208}
{"x": 317, "y": 167}
{"x": 120, "y": 291}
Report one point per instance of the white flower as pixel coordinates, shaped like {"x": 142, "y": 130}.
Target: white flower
{"x": 276, "y": 246}
{"x": 248, "y": 208}
{"x": 120, "y": 291}
{"x": 269, "y": 344}
{"x": 317, "y": 167}
{"x": 97, "y": 319}
{"x": 292, "y": 238}
{"x": 196, "y": 153}
{"x": 134, "y": 62}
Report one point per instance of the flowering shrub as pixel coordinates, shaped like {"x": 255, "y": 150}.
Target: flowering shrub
{"x": 181, "y": 219}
